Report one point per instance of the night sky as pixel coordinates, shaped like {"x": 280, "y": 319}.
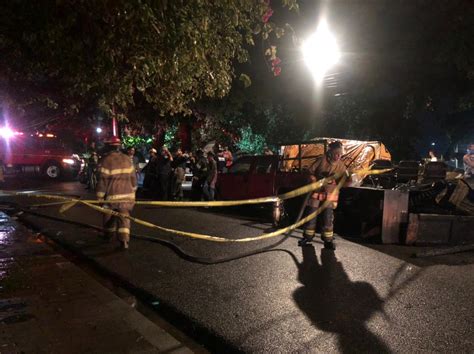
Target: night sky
{"x": 394, "y": 54}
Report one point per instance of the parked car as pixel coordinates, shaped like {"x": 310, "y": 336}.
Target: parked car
{"x": 38, "y": 153}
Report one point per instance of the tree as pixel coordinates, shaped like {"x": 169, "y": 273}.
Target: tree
{"x": 76, "y": 54}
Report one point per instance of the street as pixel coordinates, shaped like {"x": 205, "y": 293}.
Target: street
{"x": 360, "y": 298}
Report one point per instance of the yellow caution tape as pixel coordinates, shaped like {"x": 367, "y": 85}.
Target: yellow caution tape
{"x": 69, "y": 202}
{"x": 67, "y": 206}
{"x": 292, "y": 194}
{"x": 215, "y": 238}
{"x": 289, "y": 195}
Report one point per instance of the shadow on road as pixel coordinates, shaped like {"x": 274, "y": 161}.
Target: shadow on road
{"x": 336, "y": 304}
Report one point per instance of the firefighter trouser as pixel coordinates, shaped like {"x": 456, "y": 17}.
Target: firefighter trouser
{"x": 327, "y": 219}
{"x": 117, "y": 226}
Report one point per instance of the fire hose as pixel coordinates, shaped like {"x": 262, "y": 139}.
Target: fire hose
{"x": 307, "y": 190}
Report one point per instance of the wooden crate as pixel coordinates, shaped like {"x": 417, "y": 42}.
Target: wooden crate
{"x": 440, "y": 229}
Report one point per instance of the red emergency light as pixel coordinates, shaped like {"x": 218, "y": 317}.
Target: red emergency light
{"x": 6, "y": 133}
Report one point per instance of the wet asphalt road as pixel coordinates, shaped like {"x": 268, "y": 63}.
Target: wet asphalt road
{"x": 362, "y": 298}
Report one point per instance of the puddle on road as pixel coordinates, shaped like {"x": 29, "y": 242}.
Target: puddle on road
{"x": 17, "y": 318}
{"x": 6, "y": 230}
{"x": 13, "y": 278}
{"x": 5, "y": 234}
{"x": 13, "y": 311}
{"x": 5, "y": 264}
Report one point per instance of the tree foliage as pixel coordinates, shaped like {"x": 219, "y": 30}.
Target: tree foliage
{"x": 249, "y": 142}
{"x": 76, "y": 54}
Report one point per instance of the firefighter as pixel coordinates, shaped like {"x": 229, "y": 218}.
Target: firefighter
{"x": 327, "y": 165}
{"x": 117, "y": 181}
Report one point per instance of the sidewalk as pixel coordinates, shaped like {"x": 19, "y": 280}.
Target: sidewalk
{"x": 49, "y": 305}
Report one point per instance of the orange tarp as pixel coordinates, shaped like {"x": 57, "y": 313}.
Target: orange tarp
{"x": 357, "y": 154}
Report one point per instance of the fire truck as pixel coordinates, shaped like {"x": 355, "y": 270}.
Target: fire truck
{"x": 39, "y": 153}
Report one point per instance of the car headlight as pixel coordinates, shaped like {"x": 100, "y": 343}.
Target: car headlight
{"x": 68, "y": 161}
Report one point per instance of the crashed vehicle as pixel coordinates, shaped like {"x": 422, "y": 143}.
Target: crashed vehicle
{"x": 270, "y": 175}
{"x": 357, "y": 154}
{"x": 414, "y": 203}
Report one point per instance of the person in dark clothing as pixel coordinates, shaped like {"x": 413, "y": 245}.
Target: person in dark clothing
{"x": 199, "y": 175}
{"x": 151, "y": 176}
{"x": 211, "y": 178}
{"x": 92, "y": 165}
{"x": 164, "y": 173}
{"x": 219, "y": 157}
{"x": 179, "y": 166}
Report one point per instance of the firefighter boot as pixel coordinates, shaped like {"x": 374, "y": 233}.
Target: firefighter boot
{"x": 330, "y": 245}
{"x": 304, "y": 241}
{"x": 308, "y": 236}
{"x": 328, "y": 239}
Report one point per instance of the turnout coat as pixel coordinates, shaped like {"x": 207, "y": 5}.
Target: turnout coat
{"x": 117, "y": 180}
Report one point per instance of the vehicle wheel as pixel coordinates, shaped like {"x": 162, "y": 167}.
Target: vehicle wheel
{"x": 52, "y": 170}
{"x": 288, "y": 212}
{"x": 279, "y": 214}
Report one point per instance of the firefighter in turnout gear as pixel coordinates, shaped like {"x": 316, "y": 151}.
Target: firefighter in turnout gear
{"x": 117, "y": 181}
{"x": 327, "y": 165}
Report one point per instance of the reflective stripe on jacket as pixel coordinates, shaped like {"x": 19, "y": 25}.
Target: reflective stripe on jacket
{"x": 117, "y": 180}
{"x": 323, "y": 168}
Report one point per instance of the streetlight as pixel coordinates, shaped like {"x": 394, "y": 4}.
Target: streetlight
{"x": 98, "y": 130}
{"x": 320, "y": 51}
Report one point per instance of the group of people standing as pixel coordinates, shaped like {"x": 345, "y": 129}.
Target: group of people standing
{"x": 166, "y": 172}
{"x": 204, "y": 176}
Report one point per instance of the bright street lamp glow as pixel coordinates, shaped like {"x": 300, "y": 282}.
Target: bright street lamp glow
{"x": 98, "y": 130}
{"x": 320, "y": 51}
{"x": 6, "y": 132}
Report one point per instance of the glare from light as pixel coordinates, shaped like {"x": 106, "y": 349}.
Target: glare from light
{"x": 68, "y": 161}
{"x": 320, "y": 51}
{"x": 6, "y": 133}
{"x": 433, "y": 144}
{"x": 98, "y": 130}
